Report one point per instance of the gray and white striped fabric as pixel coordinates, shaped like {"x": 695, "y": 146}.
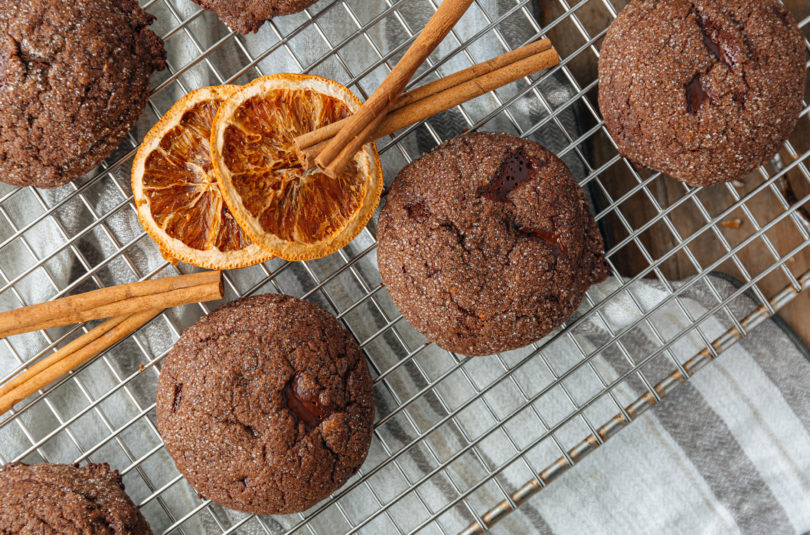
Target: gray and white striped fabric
{"x": 726, "y": 452}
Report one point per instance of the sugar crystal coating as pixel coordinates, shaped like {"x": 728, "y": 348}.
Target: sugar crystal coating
{"x": 701, "y": 90}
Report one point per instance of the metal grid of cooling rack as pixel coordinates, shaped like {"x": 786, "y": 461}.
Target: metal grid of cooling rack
{"x": 86, "y": 235}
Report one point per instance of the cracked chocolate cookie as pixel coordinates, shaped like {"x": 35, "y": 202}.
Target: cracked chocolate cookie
{"x": 247, "y": 16}
{"x": 58, "y": 498}
{"x": 486, "y": 244}
{"x": 266, "y": 405}
{"x": 74, "y": 78}
{"x": 701, "y": 90}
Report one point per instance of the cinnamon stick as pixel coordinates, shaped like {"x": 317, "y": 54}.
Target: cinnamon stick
{"x": 444, "y": 100}
{"x": 477, "y": 70}
{"x": 114, "y": 301}
{"x": 48, "y": 361}
{"x": 71, "y": 356}
{"x": 362, "y": 124}
{"x": 309, "y": 139}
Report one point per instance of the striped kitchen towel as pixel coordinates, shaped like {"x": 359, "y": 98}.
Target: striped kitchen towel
{"x": 726, "y": 452}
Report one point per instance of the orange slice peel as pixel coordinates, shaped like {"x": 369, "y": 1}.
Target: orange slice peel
{"x": 290, "y": 211}
{"x": 177, "y": 196}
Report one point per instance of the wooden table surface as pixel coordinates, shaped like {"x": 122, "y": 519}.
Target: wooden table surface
{"x": 707, "y": 203}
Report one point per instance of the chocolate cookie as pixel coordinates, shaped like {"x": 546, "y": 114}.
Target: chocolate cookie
{"x": 701, "y": 90}
{"x": 59, "y": 498}
{"x": 266, "y": 405}
{"x": 486, "y": 244}
{"x": 247, "y": 16}
{"x": 74, "y": 78}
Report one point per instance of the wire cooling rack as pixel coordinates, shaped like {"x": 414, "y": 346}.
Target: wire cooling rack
{"x": 558, "y": 409}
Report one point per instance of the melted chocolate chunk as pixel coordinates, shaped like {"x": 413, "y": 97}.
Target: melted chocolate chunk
{"x": 696, "y": 95}
{"x": 178, "y": 396}
{"x": 515, "y": 169}
{"x": 719, "y": 42}
{"x": 308, "y": 409}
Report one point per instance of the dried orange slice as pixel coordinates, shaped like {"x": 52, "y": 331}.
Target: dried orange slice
{"x": 176, "y": 193}
{"x": 293, "y": 212}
